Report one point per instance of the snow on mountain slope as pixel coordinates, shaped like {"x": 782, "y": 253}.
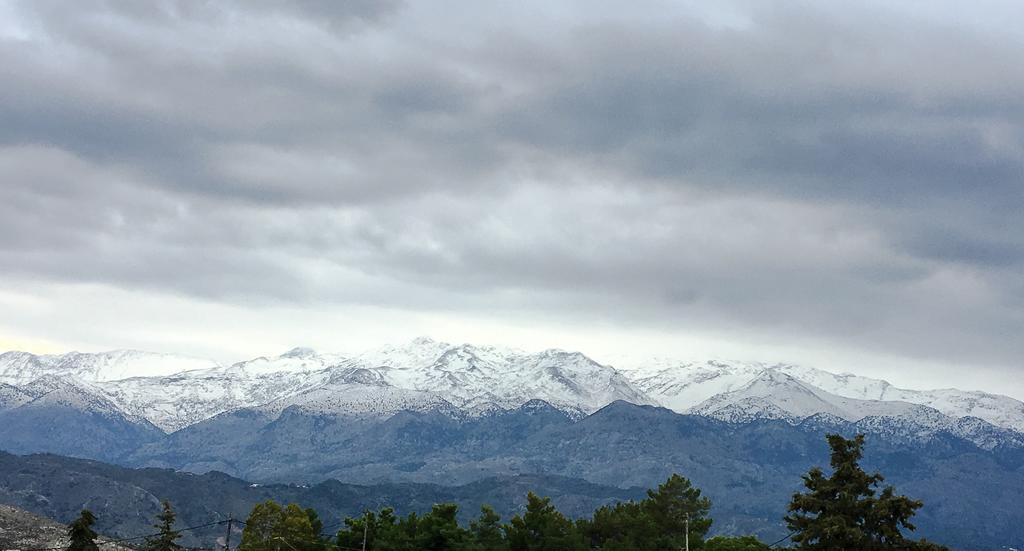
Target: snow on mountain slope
{"x": 682, "y": 385}
{"x": 353, "y": 399}
{"x": 776, "y": 395}
{"x": 12, "y": 396}
{"x": 179, "y": 394}
{"x": 20, "y": 368}
{"x": 173, "y": 392}
{"x": 51, "y": 391}
{"x": 296, "y": 360}
{"x": 478, "y": 376}
{"x": 475, "y": 379}
{"x": 999, "y": 410}
{"x": 179, "y": 400}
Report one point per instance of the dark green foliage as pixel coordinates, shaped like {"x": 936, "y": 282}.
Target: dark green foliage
{"x": 317, "y": 526}
{"x": 843, "y": 510}
{"x": 657, "y": 522}
{"x": 367, "y": 527}
{"x": 167, "y": 539}
{"x": 486, "y": 533}
{"x": 271, "y": 527}
{"x": 734, "y": 543}
{"x": 81, "y": 534}
{"x": 542, "y": 528}
{"x": 839, "y": 512}
{"x": 437, "y": 530}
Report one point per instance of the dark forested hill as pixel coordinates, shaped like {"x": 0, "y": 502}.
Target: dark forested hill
{"x": 413, "y": 459}
{"x": 127, "y": 500}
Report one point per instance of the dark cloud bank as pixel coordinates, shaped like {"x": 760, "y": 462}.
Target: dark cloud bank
{"x": 815, "y": 170}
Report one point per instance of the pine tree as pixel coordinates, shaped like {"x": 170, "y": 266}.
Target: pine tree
{"x": 543, "y": 528}
{"x": 167, "y": 539}
{"x": 486, "y": 531}
{"x": 842, "y": 511}
{"x": 675, "y": 501}
{"x": 81, "y": 534}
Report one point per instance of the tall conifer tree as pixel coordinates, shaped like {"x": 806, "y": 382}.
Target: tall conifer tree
{"x": 81, "y": 534}
{"x": 842, "y": 511}
{"x": 167, "y": 539}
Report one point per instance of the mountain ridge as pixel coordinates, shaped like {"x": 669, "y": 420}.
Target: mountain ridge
{"x": 472, "y": 378}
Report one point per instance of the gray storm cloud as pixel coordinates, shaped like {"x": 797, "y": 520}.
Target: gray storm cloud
{"x": 848, "y": 174}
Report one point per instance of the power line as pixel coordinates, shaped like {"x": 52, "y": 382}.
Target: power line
{"x": 132, "y": 538}
{"x": 789, "y": 535}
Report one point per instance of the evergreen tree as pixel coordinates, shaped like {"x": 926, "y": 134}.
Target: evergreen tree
{"x": 80, "y": 533}
{"x": 486, "y": 532}
{"x": 622, "y": 526}
{"x": 543, "y": 528}
{"x": 842, "y": 511}
{"x": 439, "y": 530}
{"x": 676, "y": 508}
{"x": 167, "y": 539}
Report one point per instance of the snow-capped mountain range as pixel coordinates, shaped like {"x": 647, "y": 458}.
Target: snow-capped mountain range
{"x": 173, "y": 392}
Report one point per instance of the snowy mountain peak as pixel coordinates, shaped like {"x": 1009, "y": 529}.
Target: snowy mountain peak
{"x": 20, "y": 368}
{"x": 53, "y": 390}
{"x": 301, "y": 352}
{"x": 773, "y": 394}
{"x": 423, "y": 340}
{"x": 173, "y": 392}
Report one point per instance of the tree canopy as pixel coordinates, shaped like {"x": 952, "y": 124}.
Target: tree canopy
{"x": 271, "y": 527}
{"x": 664, "y": 520}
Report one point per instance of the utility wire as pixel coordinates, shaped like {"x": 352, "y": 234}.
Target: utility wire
{"x": 783, "y": 539}
{"x": 132, "y": 538}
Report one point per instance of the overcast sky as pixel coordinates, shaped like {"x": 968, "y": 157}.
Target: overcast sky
{"x": 839, "y": 184}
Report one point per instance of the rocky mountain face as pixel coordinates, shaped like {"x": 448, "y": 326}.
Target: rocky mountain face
{"x": 64, "y": 415}
{"x": 20, "y": 529}
{"x": 23, "y": 530}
